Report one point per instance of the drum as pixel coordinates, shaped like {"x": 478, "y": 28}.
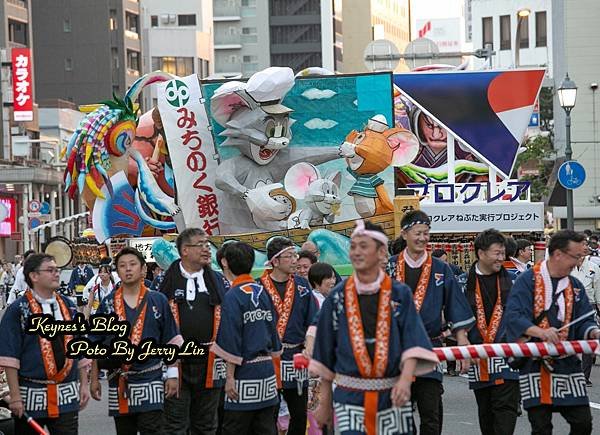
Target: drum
{"x": 60, "y": 249}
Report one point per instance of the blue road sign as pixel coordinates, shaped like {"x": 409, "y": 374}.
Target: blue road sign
{"x": 534, "y": 121}
{"x": 45, "y": 208}
{"x": 571, "y": 174}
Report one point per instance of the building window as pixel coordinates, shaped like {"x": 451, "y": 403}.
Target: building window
{"x": 154, "y": 21}
{"x": 524, "y": 32}
{"x": 186, "y": 20}
{"x": 203, "y": 68}
{"x": 133, "y": 60}
{"x": 131, "y": 22}
{"x": 112, "y": 19}
{"x": 249, "y": 35}
{"x": 67, "y": 25}
{"x": 505, "y": 32}
{"x": 248, "y": 59}
{"x": 249, "y": 3}
{"x": 180, "y": 66}
{"x": 114, "y": 52}
{"x": 17, "y": 32}
{"x": 540, "y": 29}
{"x": 487, "y": 26}
{"x": 68, "y": 64}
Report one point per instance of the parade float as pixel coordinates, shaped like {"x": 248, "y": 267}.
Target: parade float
{"x": 305, "y": 156}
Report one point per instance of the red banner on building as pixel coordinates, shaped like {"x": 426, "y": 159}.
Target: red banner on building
{"x": 22, "y": 84}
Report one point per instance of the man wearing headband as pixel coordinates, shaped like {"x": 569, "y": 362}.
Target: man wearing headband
{"x": 437, "y": 296}
{"x": 296, "y": 308}
{"x": 371, "y": 340}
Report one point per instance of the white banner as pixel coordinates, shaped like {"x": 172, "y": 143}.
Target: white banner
{"x": 192, "y": 151}
{"x": 474, "y": 218}
{"x": 144, "y": 245}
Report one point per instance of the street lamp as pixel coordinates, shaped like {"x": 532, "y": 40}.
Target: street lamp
{"x": 567, "y": 95}
{"x": 522, "y": 15}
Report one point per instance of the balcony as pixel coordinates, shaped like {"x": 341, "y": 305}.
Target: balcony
{"x": 222, "y": 67}
{"x": 19, "y": 3}
{"x": 224, "y": 11}
{"x": 227, "y": 42}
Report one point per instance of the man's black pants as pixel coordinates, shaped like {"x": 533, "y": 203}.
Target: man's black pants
{"x": 427, "y": 394}
{"x": 258, "y": 422}
{"x": 146, "y": 423}
{"x": 64, "y": 424}
{"x": 194, "y": 411}
{"x": 497, "y": 407}
{"x": 587, "y": 361}
{"x": 578, "y": 417}
{"x": 297, "y": 406}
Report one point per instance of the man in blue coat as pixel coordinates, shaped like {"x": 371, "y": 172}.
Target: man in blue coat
{"x": 543, "y": 300}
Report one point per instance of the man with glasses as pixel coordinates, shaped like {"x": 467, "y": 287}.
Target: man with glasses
{"x": 495, "y": 384}
{"x": 438, "y": 298}
{"x": 296, "y": 308}
{"x": 43, "y": 382}
{"x": 195, "y": 292}
{"x": 588, "y": 273}
{"x": 542, "y": 302}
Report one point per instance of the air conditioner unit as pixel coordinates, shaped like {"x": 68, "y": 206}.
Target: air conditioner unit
{"x": 172, "y": 18}
{"x": 164, "y": 19}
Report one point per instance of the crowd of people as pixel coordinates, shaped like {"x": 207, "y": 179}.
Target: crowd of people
{"x": 300, "y": 343}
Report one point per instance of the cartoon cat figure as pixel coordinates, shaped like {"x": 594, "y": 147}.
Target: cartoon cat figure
{"x": 321, "y": 195}
{"x": 258, "y": 125}
{"x": 369, "y": 153}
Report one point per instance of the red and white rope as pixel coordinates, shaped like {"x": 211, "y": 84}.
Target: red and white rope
{"x": 507, "y": 350}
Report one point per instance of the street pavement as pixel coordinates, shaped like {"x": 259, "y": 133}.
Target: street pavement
{"x": 460, "y": 411}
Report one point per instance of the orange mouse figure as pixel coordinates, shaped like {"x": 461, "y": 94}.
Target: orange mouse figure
{"x": 369, "y": 153}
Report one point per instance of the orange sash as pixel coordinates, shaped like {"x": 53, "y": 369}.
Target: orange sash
{"x": 135, "y": 336}
{"x": 366, "y": 367}
{"x": 211, "y": 356}
{"x": 487, "y": 332}
{"x": 52, "y": 372}
{"x": 283, "y": 308}
{"x": 421, "y": 290}
{"x": 539, "y": 299}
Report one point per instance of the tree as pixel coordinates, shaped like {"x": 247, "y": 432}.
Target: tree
{"x": 539, "y": 153}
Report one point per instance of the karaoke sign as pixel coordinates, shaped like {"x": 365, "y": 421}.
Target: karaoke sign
{"x": 22, "y": 82}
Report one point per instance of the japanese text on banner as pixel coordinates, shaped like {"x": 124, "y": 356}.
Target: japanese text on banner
{"x": 192, "y": 151}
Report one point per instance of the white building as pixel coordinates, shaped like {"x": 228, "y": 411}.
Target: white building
{"x": 443, "y": 23}
{"x": 496, "y": 22}
{"x": 241, "y": 37}
{"x": 177, "y": 39}
{"x": 575, "y": 43}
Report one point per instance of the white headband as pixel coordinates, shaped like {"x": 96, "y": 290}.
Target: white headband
{"x": 375, "y": 235}
{"x": 270, "y": 262}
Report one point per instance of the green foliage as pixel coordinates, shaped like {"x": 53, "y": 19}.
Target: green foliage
{"x": 539, "y": 150}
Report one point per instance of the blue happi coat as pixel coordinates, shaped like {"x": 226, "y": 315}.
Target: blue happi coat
{"x": 22, "y": 351}
{"x": 498, "y": 369}
{"x": 304, "y": 309}
{"x": 334, "y": 355}
{"x": 567, "y": 382}
{"x": 145, "y": 390}
{"x": 443, "y": 296}
{"x": 248, "y": 338}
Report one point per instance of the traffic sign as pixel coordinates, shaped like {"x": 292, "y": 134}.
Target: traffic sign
{"x": 571, "y": 174}
{"x": 45, "y": 208}
{"x": 34, "y": 206}
{"x": 34, "y": 223}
